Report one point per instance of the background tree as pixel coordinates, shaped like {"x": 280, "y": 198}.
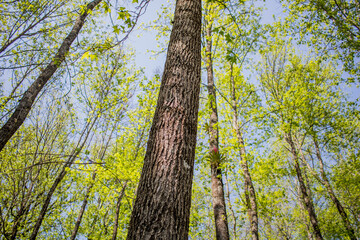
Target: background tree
{"x": 217, "y": 186}
{"x": 329, "y": 26}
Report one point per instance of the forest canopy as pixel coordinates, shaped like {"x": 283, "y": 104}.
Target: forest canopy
{"x": 244, "y": 124}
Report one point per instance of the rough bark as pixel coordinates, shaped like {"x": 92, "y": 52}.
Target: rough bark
{"x": 25, "y": 104}
{"x": 304, "y": 193}
{"x": 117, "y": 213}
{"x": 83, "y": 207}
{"x": 326, "y": 182}
{"x": 250, "y": 195}
{"x": 217, "y": 186}
{"x": 162, "y": 206}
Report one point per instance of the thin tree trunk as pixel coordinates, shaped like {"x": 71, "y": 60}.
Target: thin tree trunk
{"x": 47, "y": 201}
{"x": 116, "y": 223}
{"x": 17, "y": 221}
{"x": 304, "y": 194}
{"x": 326, "y": 182}
{"x": 26, "y": 102}
{"x": 162, "y": 206}
{"x": 100, "y": 156}
{"x": 58, "y": 179}
{"x": 217, "y": 186}
{"x": 24, "y": 209}
{"x": 230, "y": 206}
{"x": 303, "y": 215}
{"x": 83, "y": 207}
{"x": 249, "y": 187}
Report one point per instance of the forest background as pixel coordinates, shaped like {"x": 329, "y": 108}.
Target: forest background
{"x": 287, "y": 85}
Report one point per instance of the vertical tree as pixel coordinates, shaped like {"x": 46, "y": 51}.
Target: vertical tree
{"x": 162, "y": 205}
{"x": 304, "y": 190}
{"x": 217, "y": 186}
{"x": 250, "y": 196}
{"x": 289, "y": 85}
{"x": 83, "y": 207}
{"x": 325, "y": 181}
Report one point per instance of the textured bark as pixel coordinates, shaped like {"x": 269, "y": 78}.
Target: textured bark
{"x": 304, "y": 193}
{"x": 117, "y": 213}
{"x": 326, "y": 182}
{"x": 162, "y": 206}
{"x": 217, "y": 186}
{"x": 26, "y": 102}
{"x": 250, "y": 195}
{"x": 82, "y": 210}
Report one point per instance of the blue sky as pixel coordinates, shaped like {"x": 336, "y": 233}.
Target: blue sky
{"x": 143, "y": 41}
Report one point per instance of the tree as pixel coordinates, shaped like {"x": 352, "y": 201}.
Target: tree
{"x": 162, "y": 205}
{"x": 217, "y": 185}
{"x": 278, "y": 83}
{"x": 53, "y": 62}
{"x": 250, "y": 196}
{"x": 46, "y": 164}
{"x": 329, "y": 26}
{"x": 26, "y": 102}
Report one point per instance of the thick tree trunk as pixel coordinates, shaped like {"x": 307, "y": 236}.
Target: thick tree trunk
{"x": 117, "y": 213}
{"x": 304, "y": 193}
{"x": 333, "y": 197}
{"x": 250, "y": 195}
{"x": 26, "y": 102}
{"x": 217, "y": 186}
{"x": 83, "y": 207}
{"x": 162, "y": 205}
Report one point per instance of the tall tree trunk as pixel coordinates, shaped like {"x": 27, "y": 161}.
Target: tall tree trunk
{"x": 304, "y": 193}
{"x": 326, "y": 182}
{"x": 83, "y": 207}
{"x": 24, "y": 106}
{"x": 162, "y": 205}
{"x": 217, "y": 186}
{"x": 250, "y": 195}
{"x": 116, "y": 223}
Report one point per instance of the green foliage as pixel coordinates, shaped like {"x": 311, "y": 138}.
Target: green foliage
{"x": 98, "y": 108}
{"x": 330, "y": 26}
